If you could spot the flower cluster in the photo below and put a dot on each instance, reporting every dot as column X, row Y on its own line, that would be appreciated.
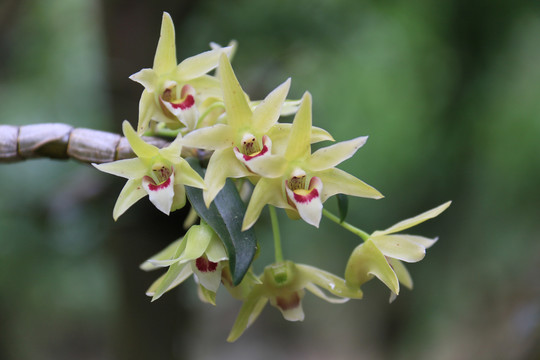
column 211, row 114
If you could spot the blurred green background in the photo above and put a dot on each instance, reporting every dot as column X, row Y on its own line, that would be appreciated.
column 449, row 93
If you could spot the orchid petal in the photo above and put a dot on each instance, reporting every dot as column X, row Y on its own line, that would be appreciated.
column 128, row 168
column 173, row 151
column 367, row 261
column 161, row 195
column 290, row 107
column 187, row 176
column 130, row 194
column 405, row 224
column 398, row 247
column 207, row 86
column 309, row 205
column 214, row 137
column 175, row 275
column 165, row 58
column 197, row 240
column 330, row 282
column 206, row 295
column 210, row 279
column 179, row 198
column 336, row 181
column 148, row 110
column 279, row 133
column 421, row 240
column 140, row 148
column 215, row 251
column 147, row 78
column 166, row 254
column 402, row 273
column 185, row 110
column 200, row 64
column 290, row 305
column 321, row 294
column 268, row 165
column 249, row 312
column 268, row 111
column 222, row 165
column 333, row 155
column 267, row 191
column 236, row 105
column 298, row 146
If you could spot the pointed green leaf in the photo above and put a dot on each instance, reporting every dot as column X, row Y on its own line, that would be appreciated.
column 225, row 216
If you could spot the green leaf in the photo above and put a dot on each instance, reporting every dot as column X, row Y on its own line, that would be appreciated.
column 225, row 216
column 343, row 206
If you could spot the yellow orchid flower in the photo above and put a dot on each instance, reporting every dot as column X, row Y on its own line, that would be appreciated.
column 159, row 173
column 284, row 285
column 245, row 141
column 303, row 181
column 173, row 91
column 382, row 253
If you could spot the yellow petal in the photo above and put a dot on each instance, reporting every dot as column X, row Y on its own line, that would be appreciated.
column 140, row 148
column 165, row 58
column 267, row 112
column 130, row 194
column 405, row 224
column 367, row 261
column 330, row 156
column 298, row 146
column 236, row 104
column 336, row 181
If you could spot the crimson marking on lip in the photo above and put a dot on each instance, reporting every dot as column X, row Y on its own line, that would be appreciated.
column 306, row 198
column 186, row 104
column 260, row 153
column 163, row 185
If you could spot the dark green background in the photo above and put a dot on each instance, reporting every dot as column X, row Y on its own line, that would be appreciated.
column 449, row 93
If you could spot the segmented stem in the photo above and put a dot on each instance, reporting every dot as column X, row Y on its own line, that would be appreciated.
column 62, row 141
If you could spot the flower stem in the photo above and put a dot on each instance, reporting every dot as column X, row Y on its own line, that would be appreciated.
column 210, row 108
column 346, row 225
column 277, row 238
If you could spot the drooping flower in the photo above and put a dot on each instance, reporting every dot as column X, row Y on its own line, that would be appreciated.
column 199, row 252
column 245, row 141
column 159, row 173
column 173, row 91
column 381, row 255
column 303, row 181
column 284, row 285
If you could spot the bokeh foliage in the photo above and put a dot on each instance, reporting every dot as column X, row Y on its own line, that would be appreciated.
column 448, row 93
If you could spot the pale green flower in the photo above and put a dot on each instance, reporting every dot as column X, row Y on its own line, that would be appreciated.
column 173, row 91
column 284, row 285
column 159, row 173
column 199, row 252
column 301, row 181
column 381, row 255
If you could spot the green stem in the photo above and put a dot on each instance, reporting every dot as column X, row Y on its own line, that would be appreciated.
column 210, row 108
column 346, row 225
column 277, row 238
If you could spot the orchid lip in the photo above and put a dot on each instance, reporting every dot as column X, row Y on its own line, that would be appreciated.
column 152, row 186
column 204, row 265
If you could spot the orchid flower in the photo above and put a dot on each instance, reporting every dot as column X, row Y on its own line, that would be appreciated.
column 381, row 255
column 199, row 252
column 304, row 181
column 173, row 91
column 159, row 173
column 246, row 140
column 284, row 285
